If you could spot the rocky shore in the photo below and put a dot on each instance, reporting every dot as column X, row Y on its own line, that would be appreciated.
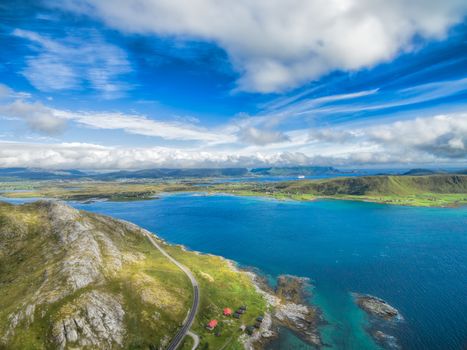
column 287, row 309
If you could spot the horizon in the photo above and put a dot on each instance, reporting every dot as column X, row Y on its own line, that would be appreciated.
column 150, row 84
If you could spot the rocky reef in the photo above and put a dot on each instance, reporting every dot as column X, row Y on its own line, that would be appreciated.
column 289, row 310
column 383, row 319
column 377, row 307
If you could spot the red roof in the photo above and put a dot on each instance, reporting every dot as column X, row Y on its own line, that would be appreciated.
column 227, row 311
column 212, row 324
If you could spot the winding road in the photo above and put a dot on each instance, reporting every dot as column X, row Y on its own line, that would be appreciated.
column 178, row 338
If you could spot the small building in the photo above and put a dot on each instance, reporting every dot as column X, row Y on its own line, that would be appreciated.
column 211, row 325
column 227, row 312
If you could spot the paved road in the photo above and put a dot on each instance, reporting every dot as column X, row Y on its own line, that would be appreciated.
column 177, row 340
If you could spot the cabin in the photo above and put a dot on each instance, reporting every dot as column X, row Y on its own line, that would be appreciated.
column 211, row 325
column 227, row 312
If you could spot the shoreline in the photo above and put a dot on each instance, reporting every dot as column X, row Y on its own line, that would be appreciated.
column 93, row 199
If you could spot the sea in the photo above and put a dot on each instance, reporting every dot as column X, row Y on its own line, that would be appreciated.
column 413, row 258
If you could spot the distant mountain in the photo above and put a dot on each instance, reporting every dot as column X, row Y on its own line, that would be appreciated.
column 40, row 174
column 416, row 172
column 172, row 173
column 295, row 171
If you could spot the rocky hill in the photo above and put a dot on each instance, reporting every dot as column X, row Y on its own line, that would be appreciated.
column 75, row 280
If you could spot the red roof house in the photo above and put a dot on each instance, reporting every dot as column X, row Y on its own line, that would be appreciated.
column 227, row 312
column 211, row 325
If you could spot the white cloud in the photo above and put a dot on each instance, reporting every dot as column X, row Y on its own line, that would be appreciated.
column 251, row 135
column 75, row 63
column 442, row 135
column 43, row 119
column 90, row 156
column 439, row 139
column 280, row 44
column 38, row 117
column 141, row 125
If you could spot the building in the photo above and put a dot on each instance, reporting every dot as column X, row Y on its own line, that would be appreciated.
column 227, row 312
column 211, row 325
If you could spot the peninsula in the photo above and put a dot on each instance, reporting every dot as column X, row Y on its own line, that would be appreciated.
column 70, row 279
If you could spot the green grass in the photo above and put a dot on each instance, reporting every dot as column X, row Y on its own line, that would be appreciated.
column 220, row 287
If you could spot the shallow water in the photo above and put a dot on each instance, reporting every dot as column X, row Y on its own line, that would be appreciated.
column 414, row 258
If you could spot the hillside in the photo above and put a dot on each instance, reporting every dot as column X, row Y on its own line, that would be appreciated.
column 71, row 279
column 432, row 190
column 384, row 185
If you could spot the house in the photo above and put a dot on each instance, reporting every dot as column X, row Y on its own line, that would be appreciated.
column 211, row 325
column 227, row 312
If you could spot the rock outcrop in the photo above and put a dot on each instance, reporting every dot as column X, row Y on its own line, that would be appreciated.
column 377, row 307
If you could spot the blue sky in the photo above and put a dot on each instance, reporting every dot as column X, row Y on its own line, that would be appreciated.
column 154, row 83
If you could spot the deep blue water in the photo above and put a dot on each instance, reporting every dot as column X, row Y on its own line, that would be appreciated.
column 414, row 258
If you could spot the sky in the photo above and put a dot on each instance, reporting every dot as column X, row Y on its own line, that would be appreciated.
column 133, row 84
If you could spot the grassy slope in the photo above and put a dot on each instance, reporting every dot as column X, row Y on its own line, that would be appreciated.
column 24, row 259
column 434, row 190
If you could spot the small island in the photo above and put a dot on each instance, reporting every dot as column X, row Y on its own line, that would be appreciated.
column 377, row 307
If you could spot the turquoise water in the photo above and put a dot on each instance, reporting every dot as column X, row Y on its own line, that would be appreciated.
column 414, row 258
